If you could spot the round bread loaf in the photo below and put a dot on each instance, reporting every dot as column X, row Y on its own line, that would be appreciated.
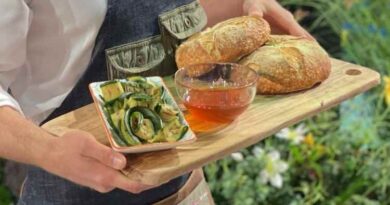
column 287, row 64
column 225, row 42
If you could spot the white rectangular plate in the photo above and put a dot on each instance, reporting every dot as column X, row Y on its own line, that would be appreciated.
column 189, row 137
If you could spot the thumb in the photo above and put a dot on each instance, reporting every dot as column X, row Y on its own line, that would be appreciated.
column 103, row 154
column 252, row 8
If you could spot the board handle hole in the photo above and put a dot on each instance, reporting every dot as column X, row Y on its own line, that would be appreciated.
column 353, row 72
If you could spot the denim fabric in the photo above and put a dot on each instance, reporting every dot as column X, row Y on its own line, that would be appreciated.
column 42, row 188
column 126, row 21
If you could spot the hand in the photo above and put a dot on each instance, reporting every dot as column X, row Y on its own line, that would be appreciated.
column 280, row 19
column 78, row 157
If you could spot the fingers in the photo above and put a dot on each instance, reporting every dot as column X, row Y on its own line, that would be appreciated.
column 103, row 154
column 296, row 29
column 279, row 18
column 255, row 13
column 253, row 8
column 108, row 178
column 91, row 148
column 89, row 163
column 285, row 21
column 122, row 182
column 104, row 179
column 309, row 36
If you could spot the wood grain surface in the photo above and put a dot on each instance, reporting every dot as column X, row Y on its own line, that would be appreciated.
column 266, row 116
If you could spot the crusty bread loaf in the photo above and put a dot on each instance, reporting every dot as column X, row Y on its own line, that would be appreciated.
column 287, row 64
column 225, row 42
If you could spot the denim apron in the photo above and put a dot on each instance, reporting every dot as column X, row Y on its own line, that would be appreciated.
column 137, row 37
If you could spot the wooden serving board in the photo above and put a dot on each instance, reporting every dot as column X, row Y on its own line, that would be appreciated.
column 266, row 116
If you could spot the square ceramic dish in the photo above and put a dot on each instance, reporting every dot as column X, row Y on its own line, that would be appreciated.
column 189, row 136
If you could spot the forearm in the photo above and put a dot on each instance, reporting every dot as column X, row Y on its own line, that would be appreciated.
column 21, row 140
column 219, row 10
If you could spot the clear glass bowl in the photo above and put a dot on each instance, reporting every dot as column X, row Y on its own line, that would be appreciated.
column 217, row 92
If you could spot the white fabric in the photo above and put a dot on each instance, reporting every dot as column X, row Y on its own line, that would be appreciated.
column 45, row 46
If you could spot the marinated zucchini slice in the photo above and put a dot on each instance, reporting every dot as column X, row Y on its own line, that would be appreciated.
column 113, row 123
column 145, row 86
column 111, row 102
column 111, row 90
column 155, row 91
column 159, row 137
column 127, row 100
column 137, row 84
column 114, row 105
column 137, row 79
column 116, row 117
column 167, row 112
column 116, row 120
column 148, row 114
column 146, row 128
column 136, row 119
column 127, row 135
column 138, row 100
column 174, row 131
column 157, row 94
column 132, row 87
column 118, row 138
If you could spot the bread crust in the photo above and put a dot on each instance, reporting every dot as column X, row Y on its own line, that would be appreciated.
column 227, row 41
column 288, row 64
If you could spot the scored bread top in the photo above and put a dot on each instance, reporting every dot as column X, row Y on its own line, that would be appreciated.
column 227, row 41
column 288, row 63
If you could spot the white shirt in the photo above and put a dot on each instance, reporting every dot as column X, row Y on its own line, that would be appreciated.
column 45, row 46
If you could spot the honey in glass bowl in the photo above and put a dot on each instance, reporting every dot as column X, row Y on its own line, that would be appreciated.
column 216, row 92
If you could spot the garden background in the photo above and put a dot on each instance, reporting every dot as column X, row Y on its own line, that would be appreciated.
column 341, row 156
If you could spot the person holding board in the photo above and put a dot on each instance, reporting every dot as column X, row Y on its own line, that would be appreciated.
column 51, row 50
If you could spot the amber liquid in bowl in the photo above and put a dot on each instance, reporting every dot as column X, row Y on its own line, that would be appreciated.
column 217, row 105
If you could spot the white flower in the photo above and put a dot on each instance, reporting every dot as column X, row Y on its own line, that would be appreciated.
column 274, row 166
column 294, row 135
column 257, row 151
column 237, row 156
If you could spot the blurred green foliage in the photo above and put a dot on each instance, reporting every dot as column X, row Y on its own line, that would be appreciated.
column 6, row 197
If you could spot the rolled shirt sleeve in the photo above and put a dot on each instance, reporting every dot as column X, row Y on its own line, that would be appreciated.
column 15, row 16
column 7, row 100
